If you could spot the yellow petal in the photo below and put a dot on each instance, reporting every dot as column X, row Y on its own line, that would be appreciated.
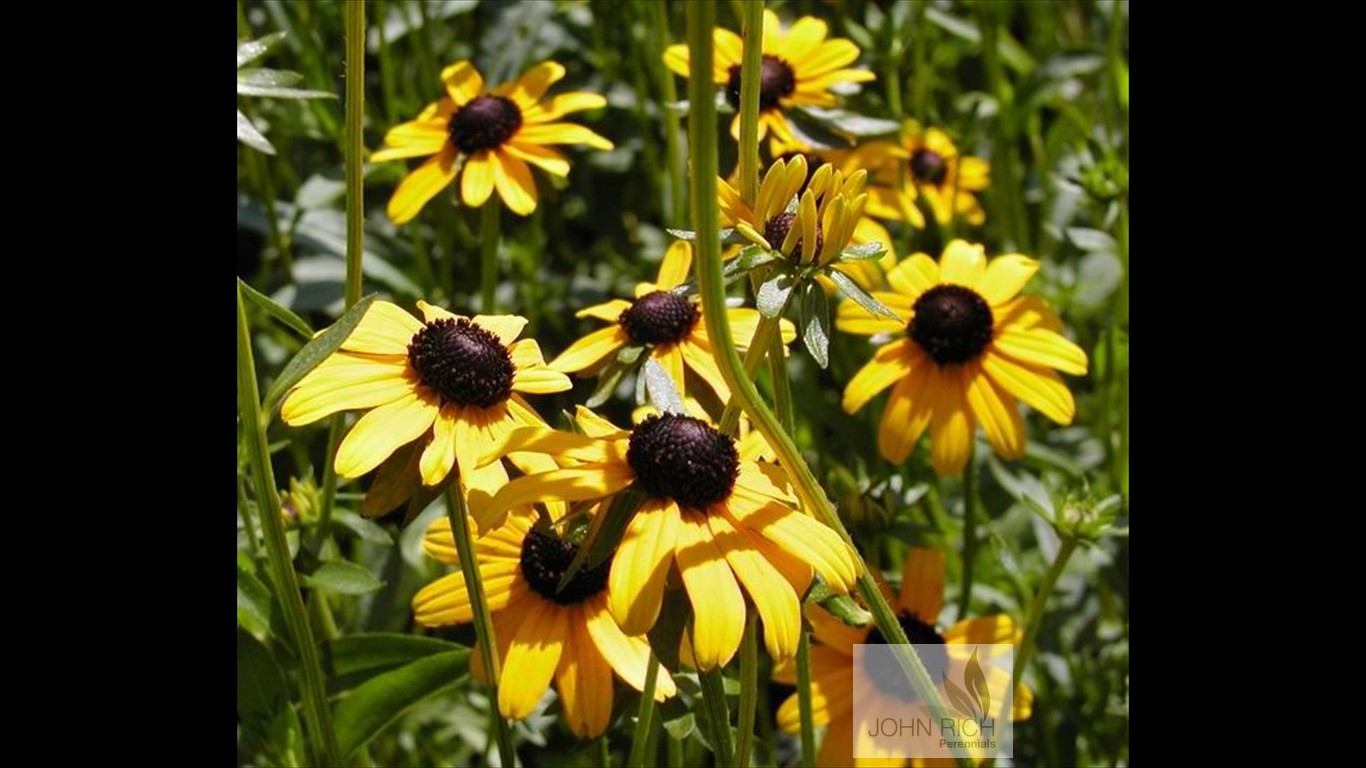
column 506, row 327
column 562, row 133
column 729, row 49
column 566, row 445
column 951, row 424
column 765, row 481
column 591, row 349
column 345, row 382
column 422, row 185
column 673, row 270
column 838, row 746
column 635, row 585
column 851, row 317
column 963, row 264
column 533, row 84
column 805, row 539
column 677, row 60
column 561, row 105
column 381, row 431
column 772, row 595
column 413, row 139
column 532, row 658
column 922, row 584
column 540, row 381
column 803, row 38
column 526, row 354
column 773, row 32
column 1041, row 388
column 513, row 179
column 446, row 601
column 832, row 692
column 670, row 357
column 608, row 310
column 439, row 456
column 985, row 630
column 476, row 180
column 890, row 364
column 589, row 481
column 996, row 412
column 629, row 656
column 908, row 412
column 1026, row 312
column 914, row 276
column 431, row 312
column 697, row 354
column 1006, row 275
column 463, row 82
column 832, row 55
column 718, row 606
column 1041, row 347
column 549, row 160
column 385, row 330
column 583, row 680
column 505, row 624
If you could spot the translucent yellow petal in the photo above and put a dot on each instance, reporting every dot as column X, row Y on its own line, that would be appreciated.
column 670, row 356
column 765, row 481
column 476, row 180
column 963, row 264
column 673, row 270
column 1041, row 347
column 914, row 276
column 532, row 657
column 718, row 606
column 588, row 351
column 381, row 431
column 385, row 330
column 890, row 364
column 908, row 411
column 589, row 481
column 771, row 594
column 446, row 601
column 345, row 382
column 629, row 656
column 594, row 425
column 463, row 82
column 922, row 584
column 677, row 60
column 635, row 584
column 805, row 539
column 996, row 411
column 951, row 424
column 568, row 445
column 803, row 38
column 532, row 85
column 439, row 456
column 1041, row 388
column 549, row 160
column 1005, row 276
column 697, row 354
column 562, row 133
column 506, row 327
column 583, row 680
column 526, row 354
column 829, row 56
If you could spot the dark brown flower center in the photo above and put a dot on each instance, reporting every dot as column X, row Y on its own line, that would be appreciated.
column 775, row 231
column 776, row 81
column 930, row 648
column 684, row 459
column 544, row 562
column 484, row 123
column 465, row 364
column 661, row 317
column 952, row 324
column 929, row 167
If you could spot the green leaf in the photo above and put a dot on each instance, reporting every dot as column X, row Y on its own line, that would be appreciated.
column 667, row 633
column 282, row 93
column 630, row 354
column 751, row 256
column 314, row 352
column 365, row 529
column 261, row 692
column 815, row 320
column 852, row 123
column 357, row 653
column 247, row 134
column 663, row 394
column 251, row 50
column 372, row 706
column 679, row 721
column 773, row 294
column 286, row 317
column 814, row 132
column 269, row 78
column 851, row 289
column 343, row 578
column 608, row 380
column 603, row 535
column 254, row 602
column 687, row 234
column 862, row 252
column 846, row 610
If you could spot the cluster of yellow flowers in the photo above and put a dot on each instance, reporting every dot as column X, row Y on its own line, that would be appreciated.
column 445, row 394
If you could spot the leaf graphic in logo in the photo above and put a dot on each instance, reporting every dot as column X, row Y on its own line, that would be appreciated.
column 960, row 700
column 976, row 682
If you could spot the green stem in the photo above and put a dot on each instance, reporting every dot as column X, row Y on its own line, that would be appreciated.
column 673, row 126
column 247, row 523
column 920, row 83
column 483, row 622
column 804, row 700
column 754, row 357
column 749, row 686
column 355, row 146
column 702, row 127
column 751, row 62
column 489, row 224
column 673, row 748
column 644, row 717
column 323, row 742
column 387, row 87
column 777, row 374
column 969, row 533
column 1014, row 225
column 1036, row 606
column 604, row 752
column 714, row 702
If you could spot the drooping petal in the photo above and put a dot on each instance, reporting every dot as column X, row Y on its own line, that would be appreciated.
column 584, row 681
column 908, row 412
column 588, row 351
column 922, row 584
column 532, row 657
column 718, row 605
column 772, row 595
column 629, row 656
column 422, row 185
column 951, row 424
column 1041, row 388
column 806, row 539
column 890, row 364
column 635, row 584
column 1041, row 347
column 476, row 180
column 345, row 382
column 996, row 412
column 513, row 179
column 439, row 456
column 381, row 431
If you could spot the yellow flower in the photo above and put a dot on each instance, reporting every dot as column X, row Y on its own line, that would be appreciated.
column 723, row 518
column 665, row 320
column 496, row 132
column 833, row 669
column 541, row 630
column 799, row 68
column 459, row 378
column 810, row 229
column 925, row 163
column 970, row 348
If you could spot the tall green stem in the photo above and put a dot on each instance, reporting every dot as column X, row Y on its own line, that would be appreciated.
column 808, row 719
column 1036, row 606
column 673, row 127
column 322, row 740
column 483, row 622
column 644, row 717
column 749, row 687
column 702, row 128
column 1007, row 186
column 489, row 232
column 355, row 146
column 969, row 532
column 751, row 63
column 764, row 333
column 714, row 702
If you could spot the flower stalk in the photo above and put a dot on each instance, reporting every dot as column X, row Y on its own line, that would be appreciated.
column 490, row 230
column 749, row 686
column 644, row 716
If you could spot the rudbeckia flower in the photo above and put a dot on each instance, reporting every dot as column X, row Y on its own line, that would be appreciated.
column 799, row 67
column 496, row 133
column 925, row 163
column 807, row 229
column 459, row 378
column 833, row 666
column 724, row 519
column 543, row 632
column 668, row 322
column 970, row 347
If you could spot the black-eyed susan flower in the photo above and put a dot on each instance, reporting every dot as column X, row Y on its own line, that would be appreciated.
column 487, row 137
column 808, row 221
column 543, row 632
column 724, row 519
column 970, row 347
column 665, row 320
column 925, row 163
column 456, row 382
column 834, row 669
column 799, row 68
